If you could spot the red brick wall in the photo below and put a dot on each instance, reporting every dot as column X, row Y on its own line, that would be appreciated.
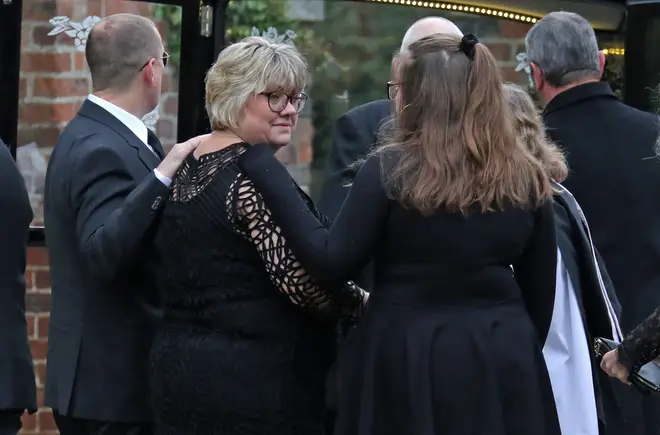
column 54, row 79
column 54, row 82
column 37, row 298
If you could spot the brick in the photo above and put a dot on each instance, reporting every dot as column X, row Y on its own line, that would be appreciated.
column 43, row 326
column 80, row 62
column 37, row 257
column 45, row 420
column 45, row 62
column 302, row 141
column 95, row 8
column 41, row 10
column 40, row 397
column 171, row 105
column 37, row 303
column 39, row 36
column 56, row 87
column 22, row 88
column 42, row 279
column 29, row 280
column 40, row 373
column 39, row 348
column 46, row 113
column 29, row 422
column 167, row 83
column 305, row 152
column 513, row 29
column 119, row 6
column 501, row 52
column 26, row 36
column 31, row 322
column 44, row 137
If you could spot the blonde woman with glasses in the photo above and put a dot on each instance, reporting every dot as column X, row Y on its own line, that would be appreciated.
column 247, row 336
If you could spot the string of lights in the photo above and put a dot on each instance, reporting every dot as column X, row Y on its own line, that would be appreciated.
column 480, row 10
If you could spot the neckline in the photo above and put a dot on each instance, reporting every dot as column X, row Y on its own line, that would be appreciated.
column 212, row 155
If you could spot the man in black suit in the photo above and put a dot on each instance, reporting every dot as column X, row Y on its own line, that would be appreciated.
column 106, row 183
column 356, row 131
column 17, row 385
column 614, row 174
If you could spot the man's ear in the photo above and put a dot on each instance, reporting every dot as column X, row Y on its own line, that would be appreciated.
column 601, row 61
column 537, row 76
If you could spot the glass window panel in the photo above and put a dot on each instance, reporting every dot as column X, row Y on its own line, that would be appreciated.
column 348, row 46
column 54, row 79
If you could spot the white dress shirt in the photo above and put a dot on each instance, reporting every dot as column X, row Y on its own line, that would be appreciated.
column 134, row 124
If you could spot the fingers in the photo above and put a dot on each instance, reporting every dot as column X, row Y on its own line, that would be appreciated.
column 610, row 365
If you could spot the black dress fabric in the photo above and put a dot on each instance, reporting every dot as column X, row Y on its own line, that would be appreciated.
column 447, row 344
column 247, row 336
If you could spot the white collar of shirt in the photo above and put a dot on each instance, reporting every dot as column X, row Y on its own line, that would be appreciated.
column 134, row 124
column 129, row 120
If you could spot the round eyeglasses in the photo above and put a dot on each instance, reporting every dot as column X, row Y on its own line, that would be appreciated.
column 277, row 101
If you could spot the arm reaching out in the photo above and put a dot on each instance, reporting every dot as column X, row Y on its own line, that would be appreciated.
column 283, row 268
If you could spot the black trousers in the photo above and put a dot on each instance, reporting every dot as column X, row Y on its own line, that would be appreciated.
column 79, row 426
column 10, row 421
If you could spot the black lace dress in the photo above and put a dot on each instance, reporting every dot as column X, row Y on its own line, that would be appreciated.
column 247, row 336
column 642, row 344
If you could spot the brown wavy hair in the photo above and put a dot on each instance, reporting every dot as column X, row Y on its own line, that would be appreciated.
column 529, row 127
column 452, row 144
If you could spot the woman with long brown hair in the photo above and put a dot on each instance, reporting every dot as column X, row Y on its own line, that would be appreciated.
column 446, row 207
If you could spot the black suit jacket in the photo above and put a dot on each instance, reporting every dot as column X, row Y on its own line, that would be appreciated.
column 615, row 177
column 17, row 385
column 355, row 133
column 100, row 207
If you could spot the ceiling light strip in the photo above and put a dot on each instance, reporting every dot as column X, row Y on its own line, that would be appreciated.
column 462, row 7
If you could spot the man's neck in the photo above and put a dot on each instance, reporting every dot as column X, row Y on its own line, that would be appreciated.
column 550, row 93
column 123, row 101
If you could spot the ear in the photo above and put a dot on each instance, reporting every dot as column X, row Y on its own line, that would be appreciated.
column 537, row 76
column 601, row 61
column 149, row 74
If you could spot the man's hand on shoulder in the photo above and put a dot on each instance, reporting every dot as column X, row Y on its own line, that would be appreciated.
column 178, row 154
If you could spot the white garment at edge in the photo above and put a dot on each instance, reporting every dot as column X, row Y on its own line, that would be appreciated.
column 568, row 358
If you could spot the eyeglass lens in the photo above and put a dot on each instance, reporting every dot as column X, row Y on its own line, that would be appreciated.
column 278, row 102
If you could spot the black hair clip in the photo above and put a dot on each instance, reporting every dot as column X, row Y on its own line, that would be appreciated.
column 467, row 45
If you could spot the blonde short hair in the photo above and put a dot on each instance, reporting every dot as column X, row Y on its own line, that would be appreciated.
column 246, row 69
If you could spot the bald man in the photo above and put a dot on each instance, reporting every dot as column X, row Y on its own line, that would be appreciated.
column 355, row 132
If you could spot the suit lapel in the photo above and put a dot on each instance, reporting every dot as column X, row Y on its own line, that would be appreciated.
column 97, row 113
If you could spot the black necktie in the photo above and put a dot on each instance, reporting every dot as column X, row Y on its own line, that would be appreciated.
column 154, row 143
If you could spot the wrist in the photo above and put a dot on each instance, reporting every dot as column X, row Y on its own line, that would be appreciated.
column 166, row 170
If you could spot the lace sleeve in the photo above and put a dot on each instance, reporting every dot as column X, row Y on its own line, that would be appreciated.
column 283, row 268
column 642, row 344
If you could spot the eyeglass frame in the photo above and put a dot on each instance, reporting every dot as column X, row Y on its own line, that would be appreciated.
column 392, row 86
column 301, row 97
column 164, row 58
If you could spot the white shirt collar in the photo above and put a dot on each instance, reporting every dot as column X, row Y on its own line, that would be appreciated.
column 129, row 120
